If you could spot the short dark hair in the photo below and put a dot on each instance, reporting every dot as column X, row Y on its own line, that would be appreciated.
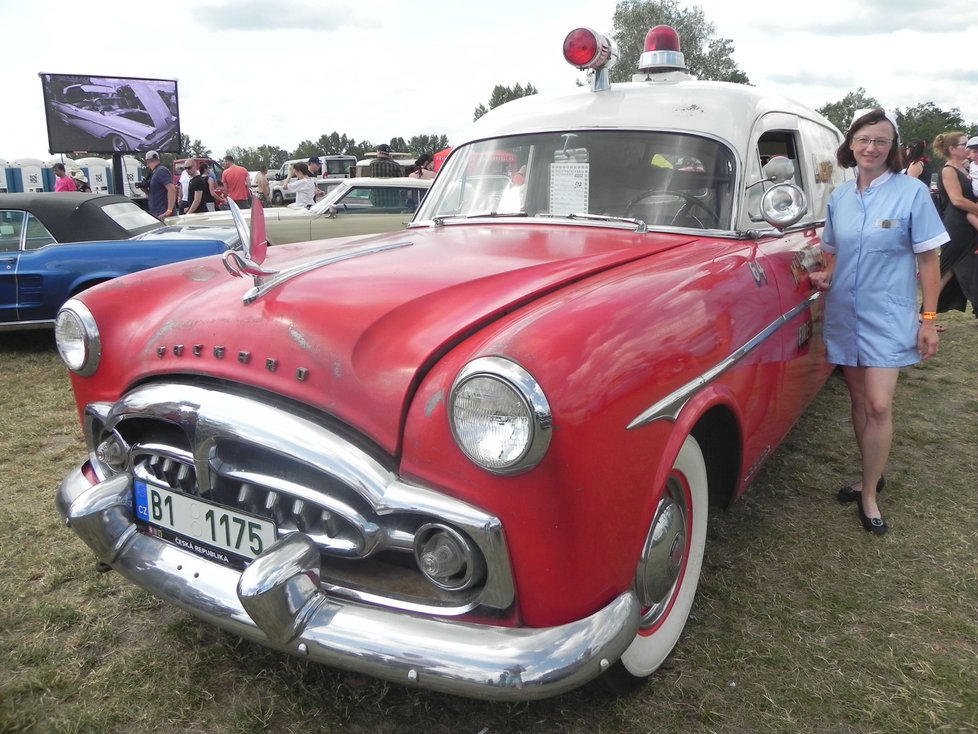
column 844, row 154
column 59, row 167
column 915, row 150
column 229, row 158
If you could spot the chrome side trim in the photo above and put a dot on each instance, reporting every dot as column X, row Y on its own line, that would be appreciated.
column 277, row 602
column 672, row 404
column 257, row 291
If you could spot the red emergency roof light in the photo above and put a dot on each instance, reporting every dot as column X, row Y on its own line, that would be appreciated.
column 662, row 51
column 588, row 49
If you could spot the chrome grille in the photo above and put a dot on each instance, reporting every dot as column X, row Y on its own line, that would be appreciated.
column 262, row 459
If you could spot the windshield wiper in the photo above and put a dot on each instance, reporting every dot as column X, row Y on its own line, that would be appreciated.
column 640, row 226
column 440, row 220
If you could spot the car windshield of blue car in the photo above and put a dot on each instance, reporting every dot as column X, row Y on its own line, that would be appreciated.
column 129, row 216
column 664, row 179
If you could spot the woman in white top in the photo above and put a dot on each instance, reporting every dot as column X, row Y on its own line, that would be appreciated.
column 299, row 182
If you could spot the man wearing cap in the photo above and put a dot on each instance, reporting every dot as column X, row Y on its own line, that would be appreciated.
column 973, row 165
column 185, row 176
column 162, row 192
column 383, row 166
column 235, row 180
column 315, row 167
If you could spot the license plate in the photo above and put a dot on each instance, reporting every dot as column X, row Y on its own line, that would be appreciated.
column 203, row 527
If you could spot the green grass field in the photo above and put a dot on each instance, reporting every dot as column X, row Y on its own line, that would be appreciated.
column 803, row 623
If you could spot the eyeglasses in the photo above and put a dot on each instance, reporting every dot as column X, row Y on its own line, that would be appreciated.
column 862, row 141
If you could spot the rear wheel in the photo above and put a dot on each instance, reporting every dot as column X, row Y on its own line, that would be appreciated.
column 668, row 570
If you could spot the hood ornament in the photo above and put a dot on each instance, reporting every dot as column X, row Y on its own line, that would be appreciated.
column 254, row 244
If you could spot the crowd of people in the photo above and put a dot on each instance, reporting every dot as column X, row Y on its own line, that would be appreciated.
column 197, row 189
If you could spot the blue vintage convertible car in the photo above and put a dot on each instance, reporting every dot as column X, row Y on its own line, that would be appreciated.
column 54, row 245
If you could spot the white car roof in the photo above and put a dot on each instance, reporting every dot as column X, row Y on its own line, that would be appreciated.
column 716, row 109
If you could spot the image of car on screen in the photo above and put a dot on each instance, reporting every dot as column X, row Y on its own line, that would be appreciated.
column 110, row 115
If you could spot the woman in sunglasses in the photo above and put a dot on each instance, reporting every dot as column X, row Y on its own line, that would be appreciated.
column 881, row 230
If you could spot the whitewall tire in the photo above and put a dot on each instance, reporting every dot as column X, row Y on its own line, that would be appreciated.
column 669, row 568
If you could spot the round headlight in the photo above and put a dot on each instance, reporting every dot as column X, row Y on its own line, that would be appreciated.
column 499, row 416
column 76, row 334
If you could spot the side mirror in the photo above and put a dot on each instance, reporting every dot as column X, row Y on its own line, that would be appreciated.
column 331, row 211
column 778, row 169
column 783, row 205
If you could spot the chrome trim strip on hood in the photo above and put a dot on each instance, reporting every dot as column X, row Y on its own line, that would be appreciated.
column 258, row 291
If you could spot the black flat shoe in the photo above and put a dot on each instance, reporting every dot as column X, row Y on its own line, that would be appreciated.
column 848, row 494
column 875, row 525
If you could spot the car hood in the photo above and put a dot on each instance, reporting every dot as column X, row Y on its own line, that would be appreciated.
column 272, row 214
column 352, row 327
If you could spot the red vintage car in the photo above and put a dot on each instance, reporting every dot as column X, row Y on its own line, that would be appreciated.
column 476, row 455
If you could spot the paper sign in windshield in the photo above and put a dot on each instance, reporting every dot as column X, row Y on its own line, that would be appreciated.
column 569, row 188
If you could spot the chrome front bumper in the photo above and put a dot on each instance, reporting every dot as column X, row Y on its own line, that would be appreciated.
column 277, row 602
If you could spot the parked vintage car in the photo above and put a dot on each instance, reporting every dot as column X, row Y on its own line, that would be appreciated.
column 353, row 206
column 476, row 455
column 55, row 245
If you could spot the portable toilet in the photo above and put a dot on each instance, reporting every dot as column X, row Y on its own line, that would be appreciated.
column 135, row 170
column 4, row 183
column 28, row 175
column 98, row 171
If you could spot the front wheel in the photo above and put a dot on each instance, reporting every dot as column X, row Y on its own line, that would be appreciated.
column 668, row 570
column 278, row 199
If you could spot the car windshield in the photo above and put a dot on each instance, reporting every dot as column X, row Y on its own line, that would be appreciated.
column 130, row 217
column 665, row 179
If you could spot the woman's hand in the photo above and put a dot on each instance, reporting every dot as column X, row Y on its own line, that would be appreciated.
column 821, row 280
column 927, row 339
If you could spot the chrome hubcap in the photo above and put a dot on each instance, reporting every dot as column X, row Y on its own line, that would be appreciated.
column 663, row 557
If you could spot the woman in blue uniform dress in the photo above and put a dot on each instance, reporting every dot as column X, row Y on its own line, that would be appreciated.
column 881, row 230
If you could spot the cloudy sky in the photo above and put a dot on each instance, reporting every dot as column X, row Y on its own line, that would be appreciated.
column 277, row 72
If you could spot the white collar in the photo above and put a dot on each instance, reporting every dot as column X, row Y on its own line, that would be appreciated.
column 878, row 181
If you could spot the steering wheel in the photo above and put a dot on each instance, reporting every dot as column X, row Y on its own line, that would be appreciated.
column 691, row 203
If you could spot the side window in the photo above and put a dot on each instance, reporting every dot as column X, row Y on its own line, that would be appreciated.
column 11, row 226
column 37, row 234
column 770, row 145
column 385, row 200
column 780, row 143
